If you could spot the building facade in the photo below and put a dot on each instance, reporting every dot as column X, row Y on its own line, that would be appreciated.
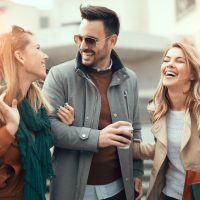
column 147, row 27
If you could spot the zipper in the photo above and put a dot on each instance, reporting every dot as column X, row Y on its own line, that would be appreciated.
column 86, row 76
column 96, row 98
column 126, row 100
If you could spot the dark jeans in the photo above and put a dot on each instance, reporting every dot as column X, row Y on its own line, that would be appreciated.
column 168, row 198
column 119, row 196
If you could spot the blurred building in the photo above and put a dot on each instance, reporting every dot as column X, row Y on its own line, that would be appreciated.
column 147, row 27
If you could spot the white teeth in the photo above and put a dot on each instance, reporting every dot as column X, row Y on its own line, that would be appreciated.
column 88, row 54
column 169, row 73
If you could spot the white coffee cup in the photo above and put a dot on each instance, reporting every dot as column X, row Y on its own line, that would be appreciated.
column 128, row 128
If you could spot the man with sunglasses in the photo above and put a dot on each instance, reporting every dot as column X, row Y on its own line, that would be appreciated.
column 90, row 160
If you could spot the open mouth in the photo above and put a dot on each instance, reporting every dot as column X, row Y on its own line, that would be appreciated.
column 170, row 74
column 87, row 54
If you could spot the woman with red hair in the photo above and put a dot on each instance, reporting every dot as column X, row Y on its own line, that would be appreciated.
column 25, row 139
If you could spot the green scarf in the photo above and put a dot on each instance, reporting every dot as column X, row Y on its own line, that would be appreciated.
column 35, row 153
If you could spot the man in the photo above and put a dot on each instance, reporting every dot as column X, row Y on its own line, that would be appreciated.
column 89, row 160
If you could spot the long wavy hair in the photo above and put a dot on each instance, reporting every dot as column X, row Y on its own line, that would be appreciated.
column 161, row 98
column 10, row 42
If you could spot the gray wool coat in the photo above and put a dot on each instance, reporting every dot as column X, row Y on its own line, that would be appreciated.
column 76, row 144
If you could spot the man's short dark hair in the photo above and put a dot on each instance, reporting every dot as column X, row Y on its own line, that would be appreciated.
column 109, row 17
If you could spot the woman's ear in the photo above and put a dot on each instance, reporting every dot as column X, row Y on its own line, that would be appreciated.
column 19, row 56
column 192, row 75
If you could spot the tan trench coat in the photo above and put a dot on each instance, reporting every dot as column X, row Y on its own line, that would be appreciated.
column 189, row 155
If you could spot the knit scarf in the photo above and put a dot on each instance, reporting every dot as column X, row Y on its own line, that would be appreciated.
column 34, row 150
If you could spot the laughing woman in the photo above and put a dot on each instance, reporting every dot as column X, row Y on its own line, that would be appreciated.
column 175, row 114
column 25, row 139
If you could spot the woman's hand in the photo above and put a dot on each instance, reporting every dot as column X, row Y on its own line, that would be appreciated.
column 66, row 114
column 10, row 114
column 138, row 188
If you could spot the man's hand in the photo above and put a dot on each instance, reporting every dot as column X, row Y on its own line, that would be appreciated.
column 137, row 182
column 111, row 135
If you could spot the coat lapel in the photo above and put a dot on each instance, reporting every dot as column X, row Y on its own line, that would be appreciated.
column 159, row 130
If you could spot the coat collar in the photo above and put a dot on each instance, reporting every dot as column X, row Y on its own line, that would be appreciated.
column 159, row 130
column 117, row 64
column 117, row 68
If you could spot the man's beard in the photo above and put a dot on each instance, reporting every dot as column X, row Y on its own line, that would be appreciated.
column 88, row 51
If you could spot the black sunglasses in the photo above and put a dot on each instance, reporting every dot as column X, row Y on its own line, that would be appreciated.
column 91, row 42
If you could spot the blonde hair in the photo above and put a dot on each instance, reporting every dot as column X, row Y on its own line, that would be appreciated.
column 161, row 98
column 10, row 42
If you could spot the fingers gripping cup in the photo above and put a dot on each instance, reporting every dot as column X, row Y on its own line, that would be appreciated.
column 128, row 128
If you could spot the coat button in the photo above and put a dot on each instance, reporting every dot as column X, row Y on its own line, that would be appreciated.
column 115, row 115
column 126, row 179
column 87, row 117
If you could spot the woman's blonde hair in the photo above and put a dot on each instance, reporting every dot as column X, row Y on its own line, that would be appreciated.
column 161, row 98
column 10, row 42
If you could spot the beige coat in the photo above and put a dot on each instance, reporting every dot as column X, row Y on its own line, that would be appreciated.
column 190, row 153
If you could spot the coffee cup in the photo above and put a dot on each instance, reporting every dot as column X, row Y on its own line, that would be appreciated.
column 128, row 128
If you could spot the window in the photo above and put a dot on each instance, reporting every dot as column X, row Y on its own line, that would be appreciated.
column 183, row 7
column 44, row 22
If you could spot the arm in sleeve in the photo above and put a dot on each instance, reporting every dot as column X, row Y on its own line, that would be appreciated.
column 143, row 151
column 138, row 166
column 70, row 137
column 136, row 115
column 6, row 140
